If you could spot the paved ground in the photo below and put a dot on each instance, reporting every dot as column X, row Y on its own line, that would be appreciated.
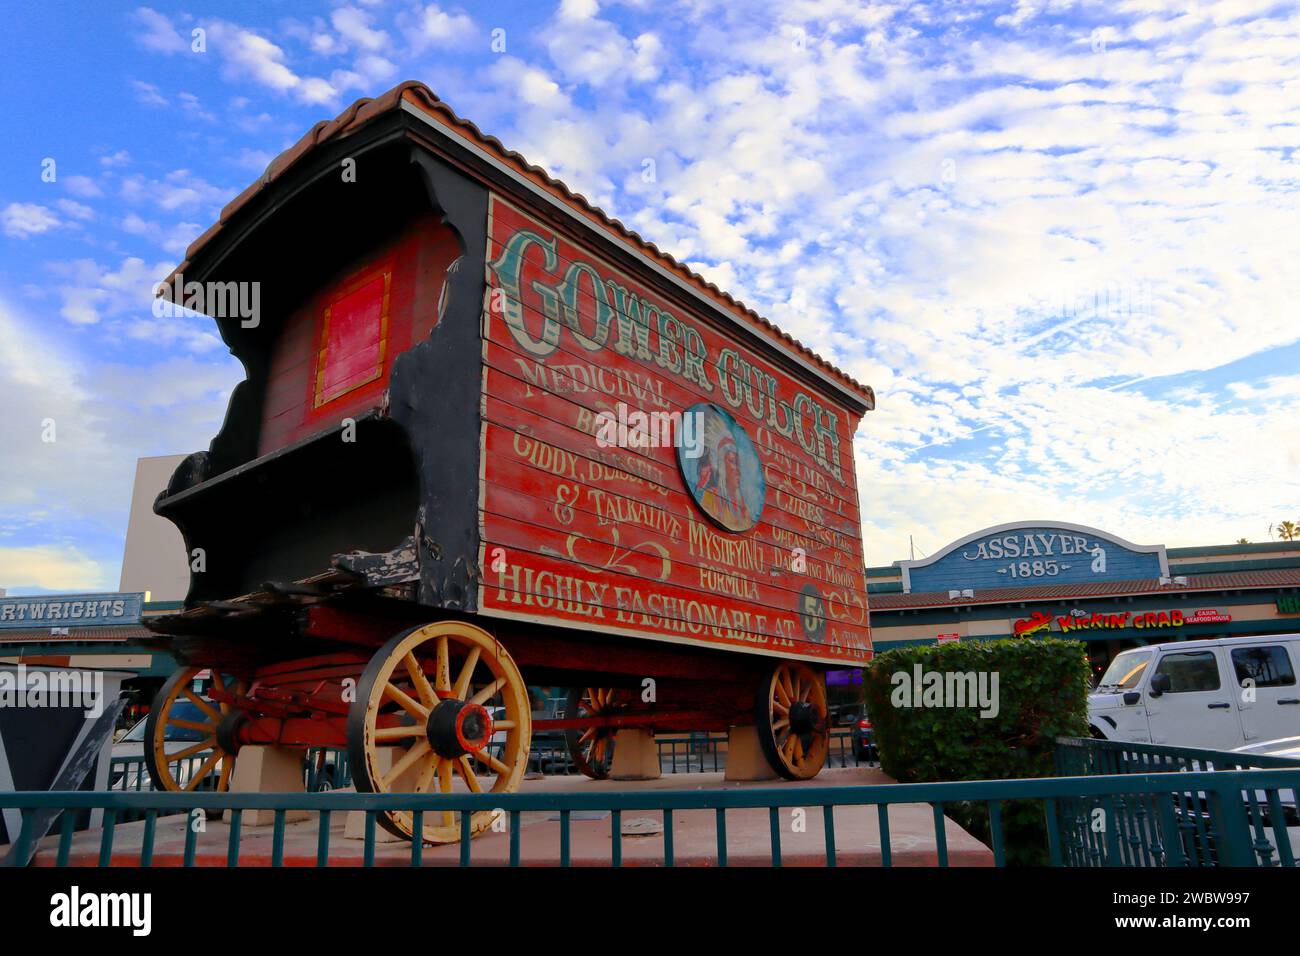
column 857, row 834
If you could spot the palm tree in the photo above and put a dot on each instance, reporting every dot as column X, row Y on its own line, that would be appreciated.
column 1242, row 541
column 1288, row 530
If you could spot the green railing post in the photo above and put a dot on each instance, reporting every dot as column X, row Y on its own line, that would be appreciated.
column 106, row 841
column 886, row 852
column 995, row 833
column 191, row 837
column 466, row 832
column 277, row 839
column 668, row 837
column 323, row 839
column 417, row 837
column 564, row 837
column 368, row 853
column 1053, row 832
column 722, row 836
column 66, row 825
column 514, row 837
column 774, row 825
column 232, row 845
column 1229, row 815
column 940, row 836
column 146, row 846
column 828, row 826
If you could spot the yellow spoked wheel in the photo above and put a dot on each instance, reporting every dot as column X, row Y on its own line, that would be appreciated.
column 792, row 721
column 592, row 748
column 184, row 731
column 439, row 709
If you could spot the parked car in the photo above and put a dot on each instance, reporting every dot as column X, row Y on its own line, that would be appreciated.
column 1288, row 748
column 1216, row 694
column 864, row 740
column 845, row 715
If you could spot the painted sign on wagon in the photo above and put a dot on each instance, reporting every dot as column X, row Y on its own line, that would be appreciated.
column 645, row 473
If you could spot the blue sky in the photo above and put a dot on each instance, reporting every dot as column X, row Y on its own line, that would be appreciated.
column 1058, row 238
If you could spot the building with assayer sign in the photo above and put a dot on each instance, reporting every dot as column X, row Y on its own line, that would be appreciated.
column 1032, row 578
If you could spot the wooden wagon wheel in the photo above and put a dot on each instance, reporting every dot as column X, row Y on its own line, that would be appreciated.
column 592, row 748
column 443, row 700
column 216, row 719
column 792, row 721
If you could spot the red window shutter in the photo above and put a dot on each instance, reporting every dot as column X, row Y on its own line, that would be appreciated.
column 354, row 333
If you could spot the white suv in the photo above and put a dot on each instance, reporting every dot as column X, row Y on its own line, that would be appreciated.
column 1218, row 695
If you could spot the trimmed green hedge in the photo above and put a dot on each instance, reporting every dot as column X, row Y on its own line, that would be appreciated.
column 924, row 735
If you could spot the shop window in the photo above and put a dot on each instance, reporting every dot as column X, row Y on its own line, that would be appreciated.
column 1266, row 666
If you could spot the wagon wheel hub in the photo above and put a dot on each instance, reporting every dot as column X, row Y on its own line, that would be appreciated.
column 457, row 727
column 803, row 717
column 228, row 728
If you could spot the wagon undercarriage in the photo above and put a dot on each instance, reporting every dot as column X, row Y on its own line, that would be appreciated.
column 336, row 661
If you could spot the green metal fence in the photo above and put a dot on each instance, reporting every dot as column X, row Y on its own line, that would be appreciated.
column 1188, row 823
column 1230, row 812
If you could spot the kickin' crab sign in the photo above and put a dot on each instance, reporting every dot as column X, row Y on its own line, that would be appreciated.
column 1042, row 621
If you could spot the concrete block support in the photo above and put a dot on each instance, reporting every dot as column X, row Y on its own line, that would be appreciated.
column 354, row 826
column 745, row 760
column 260, row 769
column 635, row 755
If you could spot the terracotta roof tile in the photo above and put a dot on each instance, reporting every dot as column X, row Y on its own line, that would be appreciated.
column 412, row 91
column 1280, row 577
column 110, row 632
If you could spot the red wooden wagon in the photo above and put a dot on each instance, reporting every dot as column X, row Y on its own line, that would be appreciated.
column 490, row 438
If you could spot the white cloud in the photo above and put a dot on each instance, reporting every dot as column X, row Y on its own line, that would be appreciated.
column 178, row 190
column 53, row 568
column 75, row 209
column 119, row 158
column 436, row 27
column 174, row 239
column 354, row 26
column 91, row 292
column 589, row 50
column 148, row 94
column 22, row 220
column 157, row 33
column 247, row 55
column 82, row 186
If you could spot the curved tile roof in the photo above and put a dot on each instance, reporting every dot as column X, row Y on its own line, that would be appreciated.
column 366, row 110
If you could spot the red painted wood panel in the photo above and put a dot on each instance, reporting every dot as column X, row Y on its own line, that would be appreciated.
column 611, row 538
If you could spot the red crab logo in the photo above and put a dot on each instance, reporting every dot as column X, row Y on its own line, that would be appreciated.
column 1041, row 621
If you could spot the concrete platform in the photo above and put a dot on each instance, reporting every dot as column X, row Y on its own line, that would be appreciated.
column 857, row 834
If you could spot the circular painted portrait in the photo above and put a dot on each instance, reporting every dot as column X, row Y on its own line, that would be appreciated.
column 721, row 467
